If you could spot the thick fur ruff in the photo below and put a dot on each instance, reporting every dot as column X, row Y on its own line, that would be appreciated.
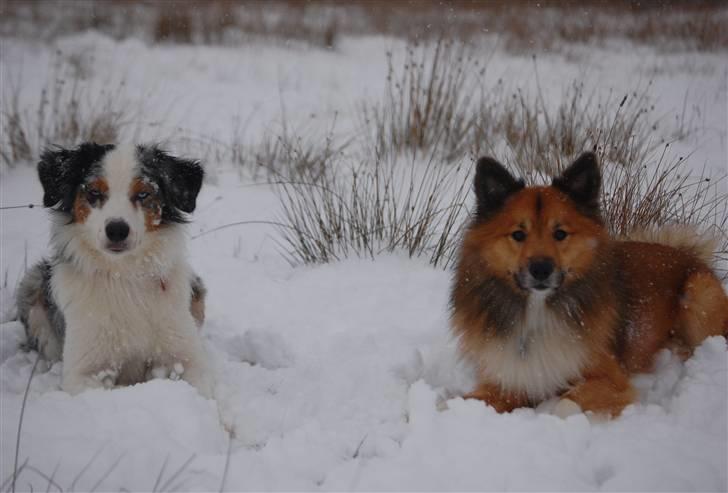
column 117, row 300
column 545, row 303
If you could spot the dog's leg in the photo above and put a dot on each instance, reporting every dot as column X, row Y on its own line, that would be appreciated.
column 185, row 359
column 34, row 312
column 197, row 302
column 197, row 373
column 39, row 329
column 88, row 361
column 500, row 400
column 605, row 388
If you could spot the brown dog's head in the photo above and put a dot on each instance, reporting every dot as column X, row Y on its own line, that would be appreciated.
column 537, row 239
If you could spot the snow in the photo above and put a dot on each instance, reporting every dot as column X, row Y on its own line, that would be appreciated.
column 340, row 376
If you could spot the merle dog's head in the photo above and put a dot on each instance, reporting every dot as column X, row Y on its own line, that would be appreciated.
column 117, row 196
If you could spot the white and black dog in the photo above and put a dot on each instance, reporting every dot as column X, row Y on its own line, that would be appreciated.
column 117, row 300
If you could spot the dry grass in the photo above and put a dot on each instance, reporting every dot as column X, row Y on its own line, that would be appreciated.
column 66, row 112
column 524, row 26
column 288, row 154
column 436, row 102
column 620, row 128
column 428, row 103
column 374, row 209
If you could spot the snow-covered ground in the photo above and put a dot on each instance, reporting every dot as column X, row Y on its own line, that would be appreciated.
column 341, row 376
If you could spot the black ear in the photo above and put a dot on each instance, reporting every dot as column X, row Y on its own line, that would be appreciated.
column 581, row 181
column 62, row 171
column 179, row 180
column 493, row 185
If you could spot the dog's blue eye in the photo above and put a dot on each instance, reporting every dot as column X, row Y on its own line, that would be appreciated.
column 519, row 235
column 560, row 234
column 142, row 195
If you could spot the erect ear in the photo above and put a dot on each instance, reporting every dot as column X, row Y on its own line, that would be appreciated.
column 581, row 181
column 179, row 179
column 493, row 185
column 61, row 172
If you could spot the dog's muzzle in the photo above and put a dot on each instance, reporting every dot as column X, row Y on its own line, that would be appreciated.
column 540, row 275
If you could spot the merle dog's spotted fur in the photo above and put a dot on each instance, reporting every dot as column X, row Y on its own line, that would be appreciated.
column 63, row 171
column 178, row 180
column 36, row 288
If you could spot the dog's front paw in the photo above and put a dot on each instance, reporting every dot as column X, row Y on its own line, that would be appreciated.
column 172, row 372
column 178, row 369
column 75, row 384
column 565, row 408
column 107, row 377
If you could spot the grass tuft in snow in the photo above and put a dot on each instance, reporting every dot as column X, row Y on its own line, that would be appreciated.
column 436, row 101
column 542, row 138
column 294, row 155
column 429, row 102
column 375, row 209
column 66, row 112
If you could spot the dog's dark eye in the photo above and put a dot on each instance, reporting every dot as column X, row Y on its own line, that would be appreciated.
column 519, row 235
column 92, row 195
column 142, row 195
column 560, row 235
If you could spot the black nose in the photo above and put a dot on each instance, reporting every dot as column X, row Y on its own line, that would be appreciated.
column 117, row 231
column 541, row 268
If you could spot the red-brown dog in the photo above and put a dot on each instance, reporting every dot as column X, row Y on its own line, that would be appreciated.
column 545, row 303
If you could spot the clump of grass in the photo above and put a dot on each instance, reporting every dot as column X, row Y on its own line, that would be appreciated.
column 428, row 103
column 293, row 155
column 437, row 102
column 542, row 138
column 375, row 209
column 66, row 112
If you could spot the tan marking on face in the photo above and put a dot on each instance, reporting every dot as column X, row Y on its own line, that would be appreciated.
column 151, row 205
column 82, row 204
column 505, row 256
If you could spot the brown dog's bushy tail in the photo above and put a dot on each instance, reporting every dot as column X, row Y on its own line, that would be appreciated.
column 704, row 303
column 682, row 237
column 703, row 309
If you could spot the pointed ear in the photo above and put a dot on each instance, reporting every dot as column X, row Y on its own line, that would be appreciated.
column 51, row 171
column 179, row 179
column 493, row 185
column 61, row 172
column 581, row 181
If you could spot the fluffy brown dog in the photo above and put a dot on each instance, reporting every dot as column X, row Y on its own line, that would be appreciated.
column 545, row 303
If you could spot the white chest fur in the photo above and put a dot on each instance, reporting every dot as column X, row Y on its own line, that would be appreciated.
column 117, row 304
column 126, row 324
column 539, row 357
